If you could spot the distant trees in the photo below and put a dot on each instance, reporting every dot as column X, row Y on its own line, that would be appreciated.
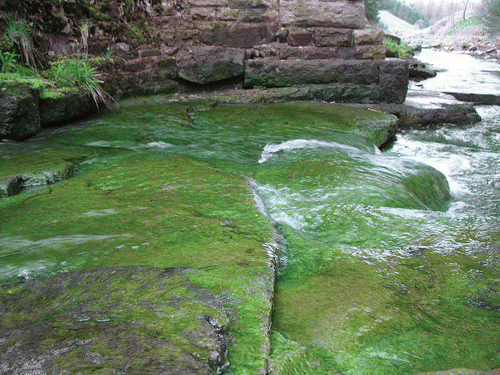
column 404, row 11
column 492, row 16
column 371, row 9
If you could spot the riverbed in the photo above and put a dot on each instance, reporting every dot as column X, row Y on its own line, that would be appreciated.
column 293, row 244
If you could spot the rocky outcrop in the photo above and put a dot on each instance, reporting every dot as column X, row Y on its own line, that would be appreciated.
column 24, row 112
column 19, row 117
column 71, row 105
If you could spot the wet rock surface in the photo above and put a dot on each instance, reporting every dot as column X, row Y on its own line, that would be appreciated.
column 125, row 320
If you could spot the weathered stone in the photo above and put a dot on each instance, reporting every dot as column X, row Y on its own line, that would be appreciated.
column 368, row 36
column 55, row 112
column 413, row 116
column 487, row 99
column 346, row 53
column 139, row 65
column 251, row 15
column 64, row 48
column 169, row 65
column 244, row 4
column 19, row 117
column 125, row 47
column 419, row 71
column 10, row 186
column 317, row 13
column 208, row 14
column 238, row 35
column 371, row 52
column 393, row 79
column 282, row 35
column 210, row 64
column 299, row 37
column 269, row 73
column 150, row 52
column 331, row 37
column 194, row 341
column 208, row 3
column 284, row 52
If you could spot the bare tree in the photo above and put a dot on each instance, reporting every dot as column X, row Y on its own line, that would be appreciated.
column 465, row 3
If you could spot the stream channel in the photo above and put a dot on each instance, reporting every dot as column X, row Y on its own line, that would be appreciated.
column 385, row 262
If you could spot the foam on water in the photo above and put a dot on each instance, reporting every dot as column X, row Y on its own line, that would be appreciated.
column 270, row 150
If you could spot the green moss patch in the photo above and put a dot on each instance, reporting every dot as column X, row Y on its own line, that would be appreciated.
column 143, row 318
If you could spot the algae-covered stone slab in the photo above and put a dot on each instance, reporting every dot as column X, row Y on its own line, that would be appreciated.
column 129, row 210
column 25, row 165
column 132, row 320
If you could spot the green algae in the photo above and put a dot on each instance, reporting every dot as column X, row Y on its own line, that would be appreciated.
column 141, row 318
column 140, row 210
column 163, row 185
column 145, row 210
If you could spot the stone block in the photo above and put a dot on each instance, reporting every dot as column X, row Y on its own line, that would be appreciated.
column 209, row 3
column 202, row 64
column 168, row 68
column 373, row 51
column 393, row 79
column 368, row 36
column 318, row 13
column 331, row 37
column 209, row 14
column 299, row 37
column 272, row 73
column 238, row 35
column 247, row 4
column 139, row 65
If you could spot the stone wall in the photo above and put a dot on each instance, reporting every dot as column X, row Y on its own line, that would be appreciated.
column 163, row 46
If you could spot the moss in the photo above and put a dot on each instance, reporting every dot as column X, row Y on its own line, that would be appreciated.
column 136, row 31
column 6, row 43
column 155, row 249
column 219, row 26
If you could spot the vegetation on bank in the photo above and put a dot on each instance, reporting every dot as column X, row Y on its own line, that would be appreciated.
column 400, row 49
column 465, row 24
column 20, row 64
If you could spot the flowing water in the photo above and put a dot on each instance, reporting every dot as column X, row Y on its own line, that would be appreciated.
column 388, row 261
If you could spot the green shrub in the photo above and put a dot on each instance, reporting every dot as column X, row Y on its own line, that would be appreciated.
column 400, row 48
column 68, row 73
column 9, row 61
column 19, row 32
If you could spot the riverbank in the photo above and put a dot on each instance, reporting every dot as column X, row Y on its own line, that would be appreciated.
column 450, row 34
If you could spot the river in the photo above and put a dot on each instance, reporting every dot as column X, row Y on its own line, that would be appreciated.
column 387, row 260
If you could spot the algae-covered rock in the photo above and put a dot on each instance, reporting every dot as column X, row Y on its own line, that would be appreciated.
column 19, row 118
column 71, row 105
column 138, row 210
column 145, row 319
column 29, row 165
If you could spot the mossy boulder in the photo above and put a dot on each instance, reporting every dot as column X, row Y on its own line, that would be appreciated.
column 19, row 118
